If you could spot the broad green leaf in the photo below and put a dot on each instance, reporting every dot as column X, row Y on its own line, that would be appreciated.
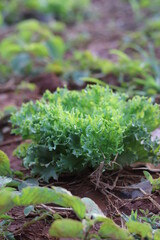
column 19, row 174
column 13, row 184
column 6, row 200
column 31, row 25
column 11, row 49
column 47, row 173
column 157, row 235
column 142, row 229
column 109, row 230
column 38, row 195
column 148, row 176
column 66, row 228
column 37, row 49
column 4, row 165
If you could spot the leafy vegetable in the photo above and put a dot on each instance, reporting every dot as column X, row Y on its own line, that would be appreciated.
column 71, row 131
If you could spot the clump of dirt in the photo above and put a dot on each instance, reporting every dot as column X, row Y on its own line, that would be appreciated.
column 47, row 81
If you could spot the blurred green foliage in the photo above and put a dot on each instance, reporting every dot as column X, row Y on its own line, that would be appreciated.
column 17, row 10
column 28, row 49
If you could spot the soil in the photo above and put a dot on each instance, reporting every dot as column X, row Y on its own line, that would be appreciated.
column 106, row 27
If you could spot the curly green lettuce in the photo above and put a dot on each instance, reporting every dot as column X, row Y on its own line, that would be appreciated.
column 72, row 131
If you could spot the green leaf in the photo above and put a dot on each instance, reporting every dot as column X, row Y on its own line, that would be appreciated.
column 4, row 165
column 148, row 176
column 56, row 48
column 28, row 210
column 66, row 228
column 157, row 234
column 31, row 25
column 19, row 174
column 39, row 195
column 37, row 49
column 109, row 230
column 6, row 217
column 120, row 54
column 142, row 229
column 13, row 184
column 6, row 200
column 47, row 173
column 1, row 19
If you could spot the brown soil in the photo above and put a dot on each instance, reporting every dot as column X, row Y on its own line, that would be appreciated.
column 111, row 19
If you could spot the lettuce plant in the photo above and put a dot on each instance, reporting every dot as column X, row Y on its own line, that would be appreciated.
column 71, row 131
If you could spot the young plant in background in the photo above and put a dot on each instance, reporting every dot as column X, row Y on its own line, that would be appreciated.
column 131, row 75
column 68, row 10
column 143, row 8
column 29, row 49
